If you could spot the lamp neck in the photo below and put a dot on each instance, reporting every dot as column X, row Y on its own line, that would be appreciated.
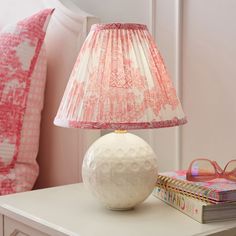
column 120, row 131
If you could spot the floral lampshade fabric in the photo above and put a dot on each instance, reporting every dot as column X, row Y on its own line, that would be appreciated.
column 119, row 81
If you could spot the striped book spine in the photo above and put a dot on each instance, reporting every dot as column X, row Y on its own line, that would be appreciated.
column 190, row 206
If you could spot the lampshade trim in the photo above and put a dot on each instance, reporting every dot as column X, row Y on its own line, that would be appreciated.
column 126, row 26
column 127, row 126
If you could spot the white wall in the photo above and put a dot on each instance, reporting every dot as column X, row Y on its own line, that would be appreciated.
column 197, row 39
column 117, row 10
column 209, row 79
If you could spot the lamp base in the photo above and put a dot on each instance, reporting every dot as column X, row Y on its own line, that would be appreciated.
column 120, row 169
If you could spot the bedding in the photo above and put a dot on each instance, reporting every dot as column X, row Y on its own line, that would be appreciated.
column 22, row 83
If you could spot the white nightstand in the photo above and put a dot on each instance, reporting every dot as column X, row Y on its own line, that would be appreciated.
column 71, row 210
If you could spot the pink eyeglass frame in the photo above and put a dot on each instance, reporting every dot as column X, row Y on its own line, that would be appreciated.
column 219, row 173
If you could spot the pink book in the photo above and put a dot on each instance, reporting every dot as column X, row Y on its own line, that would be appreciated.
column 217, row 189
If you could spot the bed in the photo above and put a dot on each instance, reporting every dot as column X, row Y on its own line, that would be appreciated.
column 61, row 150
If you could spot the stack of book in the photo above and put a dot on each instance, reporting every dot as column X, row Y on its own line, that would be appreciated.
column 205, row 202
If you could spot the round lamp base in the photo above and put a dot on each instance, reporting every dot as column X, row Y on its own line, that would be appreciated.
column 120, row 169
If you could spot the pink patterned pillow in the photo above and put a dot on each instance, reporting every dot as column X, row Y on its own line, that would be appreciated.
column 22, row 82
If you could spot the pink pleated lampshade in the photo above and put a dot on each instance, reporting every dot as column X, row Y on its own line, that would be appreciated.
column 119, row 81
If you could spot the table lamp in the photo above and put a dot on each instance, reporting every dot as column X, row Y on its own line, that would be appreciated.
column 119, row 82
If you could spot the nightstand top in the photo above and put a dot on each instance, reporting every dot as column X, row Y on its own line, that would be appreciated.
column 71, row 210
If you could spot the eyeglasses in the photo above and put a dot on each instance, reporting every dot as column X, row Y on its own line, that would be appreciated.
column 203, row 169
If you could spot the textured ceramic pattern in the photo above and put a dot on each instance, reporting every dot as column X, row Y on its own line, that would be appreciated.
column 120, row 169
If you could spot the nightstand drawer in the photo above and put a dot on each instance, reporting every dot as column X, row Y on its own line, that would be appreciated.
column 15, row 228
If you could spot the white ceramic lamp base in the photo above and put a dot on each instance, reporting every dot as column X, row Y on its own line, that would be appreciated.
column 120, row 169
